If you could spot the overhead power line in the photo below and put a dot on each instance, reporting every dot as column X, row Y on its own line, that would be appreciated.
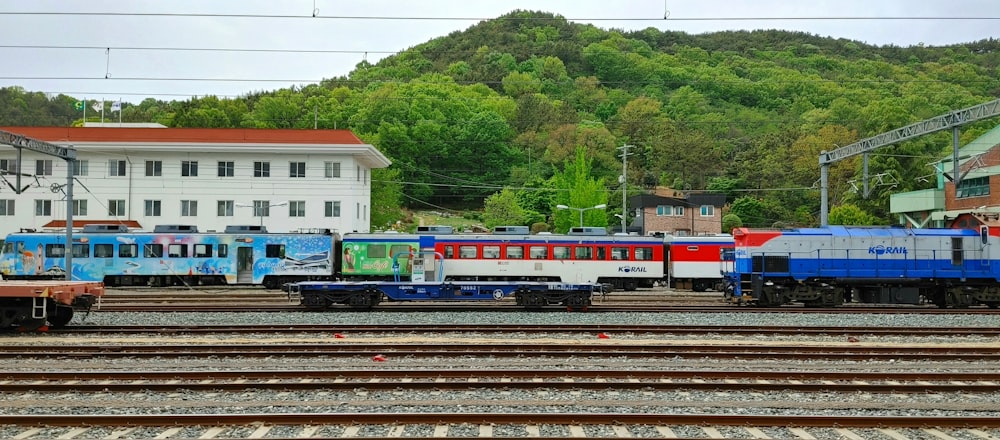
column 505, row 18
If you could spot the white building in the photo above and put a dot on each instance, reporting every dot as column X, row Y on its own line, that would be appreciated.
column 284, row 180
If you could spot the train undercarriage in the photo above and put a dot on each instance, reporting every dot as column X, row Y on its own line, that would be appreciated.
column 773, row 292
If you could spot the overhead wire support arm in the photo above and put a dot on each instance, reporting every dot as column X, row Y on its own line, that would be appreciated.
column 952, row 120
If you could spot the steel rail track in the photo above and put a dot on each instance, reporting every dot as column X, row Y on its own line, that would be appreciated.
column 43, row 382
column 553, row 328
column 505, row 307
column 585, row 419
column 925, row 353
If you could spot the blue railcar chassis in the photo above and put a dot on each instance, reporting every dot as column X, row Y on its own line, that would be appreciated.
column 364, row 295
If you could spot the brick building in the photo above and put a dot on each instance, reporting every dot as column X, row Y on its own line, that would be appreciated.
column 677, row 213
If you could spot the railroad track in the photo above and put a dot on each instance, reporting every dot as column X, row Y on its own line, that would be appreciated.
column 545, row 329
column 328, row 380
column 501, row 350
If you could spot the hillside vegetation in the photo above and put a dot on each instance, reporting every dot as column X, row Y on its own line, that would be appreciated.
column 507, row 102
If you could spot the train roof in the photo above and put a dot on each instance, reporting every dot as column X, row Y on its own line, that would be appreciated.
column 861, row 231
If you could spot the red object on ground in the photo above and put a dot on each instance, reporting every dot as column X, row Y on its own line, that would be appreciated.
column 338, row 336
column 379, row 358
column 603, row 336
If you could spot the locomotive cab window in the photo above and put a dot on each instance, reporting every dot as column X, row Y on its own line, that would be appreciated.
column 491, row 252
column 538, row 252
column 467, row 252
column 128, row 250
column 202, row 251
column 515, row 252
column 152, row 250
column 104, row 250
column 584, row 253
column 275, row 251
column 177, row 250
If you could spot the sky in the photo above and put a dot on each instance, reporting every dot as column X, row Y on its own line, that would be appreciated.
column 174, row 50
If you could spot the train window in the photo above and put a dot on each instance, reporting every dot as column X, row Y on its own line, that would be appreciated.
column 619, row 253
column 584, row 253
column 202, row 251
column 55, row 251
column 375, row 251
column 538, row 252
column 400, row 250
column 560, row 252
column 8, row 247
column 449, row 251
column 515, row 252
column 602, row 253
column 643, row 253
column 104, row 250
column 177, row 250
column 128, row 250
column 81, row 250
column 491, row 252
column 956, row 251
column 274, row 251
column 153, row 250
column 223, row 250
column 466, row 252
column 692, row 248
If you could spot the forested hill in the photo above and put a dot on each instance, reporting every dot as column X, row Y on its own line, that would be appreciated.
column 507, row 102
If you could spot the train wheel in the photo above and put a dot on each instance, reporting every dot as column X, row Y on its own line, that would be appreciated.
column 577, row 303
column 60, row 316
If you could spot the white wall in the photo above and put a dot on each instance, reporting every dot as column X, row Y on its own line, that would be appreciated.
column 352, row 189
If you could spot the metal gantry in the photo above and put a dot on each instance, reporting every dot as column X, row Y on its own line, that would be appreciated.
column 68, row 154
column 952, row 120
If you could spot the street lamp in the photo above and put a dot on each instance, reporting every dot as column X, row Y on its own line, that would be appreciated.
column 259, row 209
column 601, row 206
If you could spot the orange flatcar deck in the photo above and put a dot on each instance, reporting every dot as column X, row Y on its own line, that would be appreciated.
column 60, row 291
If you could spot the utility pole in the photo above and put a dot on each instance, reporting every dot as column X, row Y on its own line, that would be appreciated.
column 623, row 179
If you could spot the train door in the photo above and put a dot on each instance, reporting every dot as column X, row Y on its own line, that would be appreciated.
column 244, row 265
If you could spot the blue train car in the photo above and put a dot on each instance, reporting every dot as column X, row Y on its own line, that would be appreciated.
column 836, row 264
column 172, row 256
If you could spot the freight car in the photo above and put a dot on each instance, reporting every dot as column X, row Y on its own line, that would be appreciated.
column 832, row 265
column 33, row 304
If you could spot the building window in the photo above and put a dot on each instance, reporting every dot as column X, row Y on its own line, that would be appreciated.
column 189, row 168
column 296, row 169
column 80, row 207
column 365, row 180
column 662, row 210
column 152, row 208
column 43, row 207
column 226, row 168
column 43, row 167
column 8, row 165
column 116, row 208
column 357, row 210
column 6, row 206
column 707, row 211
column 974, row 187
column 225, row 208
column 331, row 209
column 679, row 211
column 80, row 167
column 154, row 168
column 116, row 167
column 189, row 208
column 358, row 175
column 331, row 169
column 262, row 169
column 297, row 208
column 261, row 208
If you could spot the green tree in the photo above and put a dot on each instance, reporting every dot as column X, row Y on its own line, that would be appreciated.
column 730, row 222
column 386, row 198
column 579, row 190
column 851, row 215
column 750, row 211
column 502, row 209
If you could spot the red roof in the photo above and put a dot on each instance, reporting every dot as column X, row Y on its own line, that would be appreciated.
column 131, row 224
column 187, row 135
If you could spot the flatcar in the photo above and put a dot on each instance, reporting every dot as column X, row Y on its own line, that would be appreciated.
column 33, row 304
column 171, row 255
column 832, row 265
column 699, row 262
